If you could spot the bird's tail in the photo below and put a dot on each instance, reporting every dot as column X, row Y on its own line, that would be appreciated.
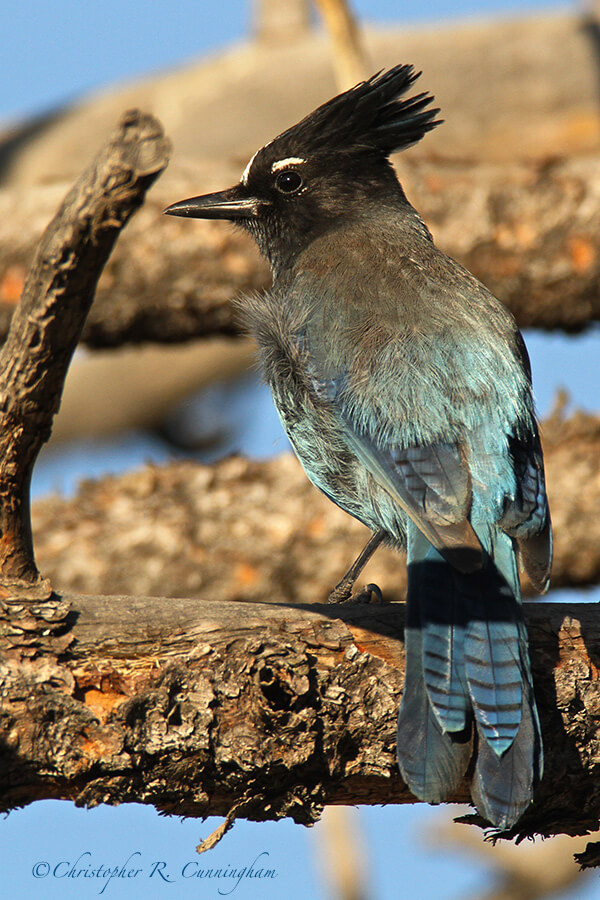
column 468, row 676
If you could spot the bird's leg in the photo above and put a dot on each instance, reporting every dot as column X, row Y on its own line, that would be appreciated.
column 342, row 592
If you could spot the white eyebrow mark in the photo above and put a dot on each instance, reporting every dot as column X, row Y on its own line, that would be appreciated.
column 283, row 163
column 246, row 171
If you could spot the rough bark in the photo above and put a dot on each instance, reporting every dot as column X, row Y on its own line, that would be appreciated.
column 57, row 295
column 262, row 711
column 527, row 229
column 246, row 530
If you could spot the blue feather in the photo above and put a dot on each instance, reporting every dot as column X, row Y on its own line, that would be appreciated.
column 467, row 665
column 435, row 609
column 432, row 760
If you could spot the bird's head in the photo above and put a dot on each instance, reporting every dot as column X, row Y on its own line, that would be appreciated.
column 331, row 165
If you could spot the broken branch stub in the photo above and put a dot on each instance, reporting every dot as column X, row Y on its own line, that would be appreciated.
column 46, row 326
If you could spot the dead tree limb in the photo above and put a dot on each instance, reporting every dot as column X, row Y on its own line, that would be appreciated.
column 43, row 335
column 527, row 229
column 202, row 708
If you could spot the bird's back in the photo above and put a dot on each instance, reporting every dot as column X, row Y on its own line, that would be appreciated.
column 376, row 304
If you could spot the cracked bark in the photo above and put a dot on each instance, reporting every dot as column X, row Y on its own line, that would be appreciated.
column 198, row 707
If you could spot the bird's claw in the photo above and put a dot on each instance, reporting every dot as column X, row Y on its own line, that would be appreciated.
column 342, row 593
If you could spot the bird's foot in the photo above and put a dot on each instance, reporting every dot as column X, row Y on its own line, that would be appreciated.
column 342, row 593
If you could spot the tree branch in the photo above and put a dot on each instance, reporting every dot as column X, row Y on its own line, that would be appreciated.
column 47, row 323
column 197, row 707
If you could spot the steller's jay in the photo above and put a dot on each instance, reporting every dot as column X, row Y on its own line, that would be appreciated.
column 405, row 389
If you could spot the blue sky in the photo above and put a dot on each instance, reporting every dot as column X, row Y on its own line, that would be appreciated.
column 52, row 52
column 55, row 51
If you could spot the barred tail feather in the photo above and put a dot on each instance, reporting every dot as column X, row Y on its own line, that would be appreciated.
column 509, row 756
column 436, row 609
column 434, row 741
column 432, row 761
column 468, row 665
column 502, row 786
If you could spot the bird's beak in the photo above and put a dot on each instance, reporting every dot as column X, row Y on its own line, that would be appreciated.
column 234, row 203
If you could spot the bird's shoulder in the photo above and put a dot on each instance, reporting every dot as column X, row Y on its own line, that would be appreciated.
column 365, row 286
column 390, row 266
column 380, row 310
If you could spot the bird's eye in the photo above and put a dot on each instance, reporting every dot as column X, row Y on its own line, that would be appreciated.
column 288, row 182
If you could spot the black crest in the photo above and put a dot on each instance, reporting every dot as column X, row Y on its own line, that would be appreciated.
column 369, row 117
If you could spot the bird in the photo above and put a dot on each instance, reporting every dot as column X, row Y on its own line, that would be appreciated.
column 405, row 389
